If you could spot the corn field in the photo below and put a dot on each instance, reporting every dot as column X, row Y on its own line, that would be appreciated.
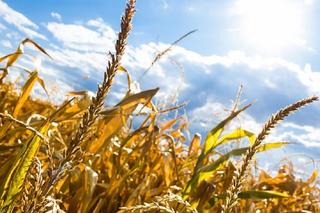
column 82, row 156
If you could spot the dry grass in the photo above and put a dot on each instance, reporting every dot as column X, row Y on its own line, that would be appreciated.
column 83, row 157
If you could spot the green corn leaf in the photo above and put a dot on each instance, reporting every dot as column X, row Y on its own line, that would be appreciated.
column 273, row 145
column 12, row 185
column 236, row 134
column 206, row 171
column 210, row 142
column 213, row 135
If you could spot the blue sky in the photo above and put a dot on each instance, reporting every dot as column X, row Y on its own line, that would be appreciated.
column 271, row 47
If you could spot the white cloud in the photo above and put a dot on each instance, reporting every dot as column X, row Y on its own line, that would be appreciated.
column 82, row 38
column 14, row 17
column 266, row 67
column 86, row 61
column 19, row 20
column 56, row 16
column 307, row 135
column 100, row 25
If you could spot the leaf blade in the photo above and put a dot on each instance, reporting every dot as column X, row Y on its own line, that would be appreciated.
column 16, row 177
column 213, row 135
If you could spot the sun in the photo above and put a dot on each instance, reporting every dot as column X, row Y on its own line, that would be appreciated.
column 271, row 24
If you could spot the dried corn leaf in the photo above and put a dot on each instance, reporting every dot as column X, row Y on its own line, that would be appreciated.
column 25, row 92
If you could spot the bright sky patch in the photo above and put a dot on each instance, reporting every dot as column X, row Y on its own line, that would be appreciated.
column 272, row 24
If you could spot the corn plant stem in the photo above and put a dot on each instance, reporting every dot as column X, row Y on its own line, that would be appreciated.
column 90, row 116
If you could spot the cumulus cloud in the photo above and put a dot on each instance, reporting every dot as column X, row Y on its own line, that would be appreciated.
column 86, row 61
column 17, row 19
column 267, row 68
column 307, row 135
column 83, row 38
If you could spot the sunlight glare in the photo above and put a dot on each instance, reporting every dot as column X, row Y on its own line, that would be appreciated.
column 271, row 24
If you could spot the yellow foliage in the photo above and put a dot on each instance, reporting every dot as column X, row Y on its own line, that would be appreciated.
column 129, row 158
